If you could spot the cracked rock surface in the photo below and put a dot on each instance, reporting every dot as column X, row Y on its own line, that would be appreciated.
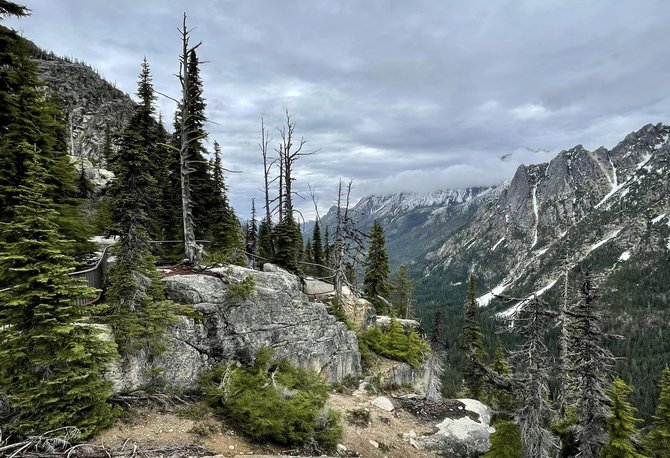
column 277, row 314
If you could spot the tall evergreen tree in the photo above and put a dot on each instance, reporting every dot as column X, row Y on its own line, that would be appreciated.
column 140, row 315
column 500, row 399
column 252, row 226
column 288, row 244
column 375, row 282
column 327, row 249
column 28, row 115
column 264, row 247
column 317, row 250
column 658, row 440
column 621, row 423
column 52, row 361
column 530, row 378
column 403, row 288
column 436, row 360
column 473, row 345
column 225, row 230
column 308, row 256
column 203, row 188
column 591, row 363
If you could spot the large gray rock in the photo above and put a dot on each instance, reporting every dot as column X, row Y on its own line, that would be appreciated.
column 402, row 374
column 277, row 314
column 467, row 436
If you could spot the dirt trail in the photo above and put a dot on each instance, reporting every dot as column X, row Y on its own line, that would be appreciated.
column 150, row 428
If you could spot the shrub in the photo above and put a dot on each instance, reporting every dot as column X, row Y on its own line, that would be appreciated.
column 396, row 344
column 243, row 289
column 273, row 401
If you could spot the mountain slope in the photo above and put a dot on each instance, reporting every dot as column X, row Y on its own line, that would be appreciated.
column 90, row 103
column 605, row 210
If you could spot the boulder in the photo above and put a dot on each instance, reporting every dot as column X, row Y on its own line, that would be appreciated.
column 360, row 311
column 277, row 314
column 384, row 322
column 466, row 436
column 383, row 403
column 395, row 374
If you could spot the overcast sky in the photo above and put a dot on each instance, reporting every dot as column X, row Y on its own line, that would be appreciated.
column 397, row 95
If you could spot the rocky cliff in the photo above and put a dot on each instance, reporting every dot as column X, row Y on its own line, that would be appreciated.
column 91, row 104
column 276, row 314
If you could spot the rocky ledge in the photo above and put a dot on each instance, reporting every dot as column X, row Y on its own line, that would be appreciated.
column 276, row 314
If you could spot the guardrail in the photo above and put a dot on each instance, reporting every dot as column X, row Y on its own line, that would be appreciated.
column 94, row 277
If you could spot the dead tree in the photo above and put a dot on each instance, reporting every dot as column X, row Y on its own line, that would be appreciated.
column 289, row 153
column 349, row 244
column 267, row 167
column 192, row 250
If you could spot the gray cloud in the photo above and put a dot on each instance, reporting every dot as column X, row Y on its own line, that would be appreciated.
column 396, row 95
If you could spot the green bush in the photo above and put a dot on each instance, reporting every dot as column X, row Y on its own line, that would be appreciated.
column 273, row 401
column 243, row 289
column 396, row 344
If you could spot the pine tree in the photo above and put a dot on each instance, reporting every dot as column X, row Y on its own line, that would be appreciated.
column 436, row 361
column 375, row 282
column 501, row 399
column 473, row 345
column 327, row 249
column 203, row 188
column 252, row 226
column 107, row 148
column 403, row 288
column 8, row 8
column 135, row 295
column 592, row 363
column 308, row 256
column 288, row 244
column 530, row 379
column 657, row 442
column 27, row 115
column 621, row 423
column 52, row 360
column 226, row 231
column 265, row 250
column 505, row 441
column 317, row 250
column 147, row 131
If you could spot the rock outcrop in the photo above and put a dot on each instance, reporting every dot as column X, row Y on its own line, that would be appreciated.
column 276, row 314
column 466, row 436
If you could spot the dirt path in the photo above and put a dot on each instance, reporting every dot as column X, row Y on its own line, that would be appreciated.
column 150, row 428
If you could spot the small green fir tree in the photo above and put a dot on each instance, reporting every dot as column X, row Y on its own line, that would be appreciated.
column 658, row 440
column 375, row 282
column 505, row 441
column 621, row 424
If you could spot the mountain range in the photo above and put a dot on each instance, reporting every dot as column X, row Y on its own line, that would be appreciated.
column 606, row 211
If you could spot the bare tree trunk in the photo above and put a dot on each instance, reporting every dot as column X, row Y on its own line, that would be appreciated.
column 281, row 184
column 265, row 141
column 192, row 250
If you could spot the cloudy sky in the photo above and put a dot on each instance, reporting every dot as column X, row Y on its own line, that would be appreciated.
column 396, row 95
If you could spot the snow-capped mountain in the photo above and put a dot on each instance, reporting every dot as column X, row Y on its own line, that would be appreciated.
column 603, row 210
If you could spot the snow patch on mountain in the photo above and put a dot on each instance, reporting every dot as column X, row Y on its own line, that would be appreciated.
column 498, row 243
column 609, row 237
column 511, row 312
column 486, row 299
column 658, row 218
